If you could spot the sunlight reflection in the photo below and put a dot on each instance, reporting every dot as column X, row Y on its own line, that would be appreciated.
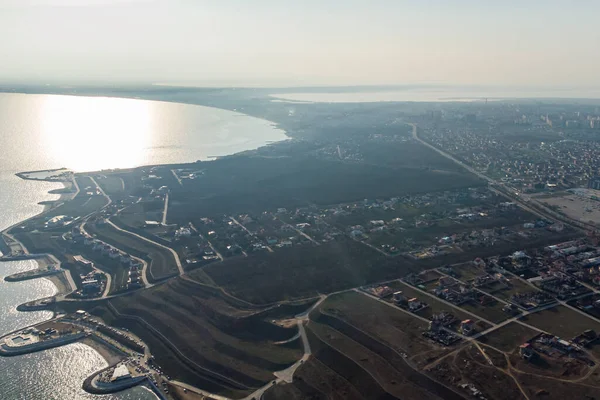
column 85, row 134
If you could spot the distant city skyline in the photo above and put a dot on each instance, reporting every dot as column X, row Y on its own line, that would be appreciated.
column 288, row 43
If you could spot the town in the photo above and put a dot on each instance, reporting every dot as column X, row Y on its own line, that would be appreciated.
column 429, row 253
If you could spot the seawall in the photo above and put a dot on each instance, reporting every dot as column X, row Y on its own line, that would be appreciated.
column 7, row 351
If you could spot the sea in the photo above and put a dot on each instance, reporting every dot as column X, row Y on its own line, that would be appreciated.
column 439, row 94
column 89, row 134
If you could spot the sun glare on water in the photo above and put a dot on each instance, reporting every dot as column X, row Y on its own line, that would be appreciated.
column 86, row 134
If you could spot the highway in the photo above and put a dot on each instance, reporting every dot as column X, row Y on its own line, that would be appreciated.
column 441, row 152
column 498, row 187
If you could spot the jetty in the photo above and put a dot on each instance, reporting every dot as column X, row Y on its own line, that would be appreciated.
column 31, row 340
column 49, row 270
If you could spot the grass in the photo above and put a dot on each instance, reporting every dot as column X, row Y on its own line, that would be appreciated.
column 347, row 368
column 555, row 389
column 435, row 306
column 468, row 365
column 492, row 312
column 400, row 330
column 561, row 321
column 508, row 337
column 118, row 272
column 80, row 206
column 211, row 332
column 467, row 271
column 517, row 286
column 300, row 272
column 111, row 184
column 162, row 262
column 313, row 379
column 368, row 344
column 245, row 184
column 388, row 375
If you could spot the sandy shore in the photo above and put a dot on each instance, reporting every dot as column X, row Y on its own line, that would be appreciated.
column 111, row 355
column 61, row 283
column 50, row 204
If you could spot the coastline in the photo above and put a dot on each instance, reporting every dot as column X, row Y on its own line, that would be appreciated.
column 59, row 281
column 111, row 356
column 66, row 192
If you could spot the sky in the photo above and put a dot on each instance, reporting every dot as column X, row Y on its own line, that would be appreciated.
column 550, row 43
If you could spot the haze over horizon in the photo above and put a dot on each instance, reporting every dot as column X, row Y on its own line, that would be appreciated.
column 287, row 43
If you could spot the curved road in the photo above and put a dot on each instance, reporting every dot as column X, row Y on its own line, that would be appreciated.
column 175, row 255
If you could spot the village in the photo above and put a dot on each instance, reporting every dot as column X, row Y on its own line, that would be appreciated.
column 482, row 298
column 419, row 226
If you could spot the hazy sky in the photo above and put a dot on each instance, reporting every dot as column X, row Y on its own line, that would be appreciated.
column 302, row 42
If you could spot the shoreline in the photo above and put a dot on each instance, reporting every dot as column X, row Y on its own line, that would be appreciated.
column 66, row 192
column 111, row 356
column 67, row 195
column 59, row 281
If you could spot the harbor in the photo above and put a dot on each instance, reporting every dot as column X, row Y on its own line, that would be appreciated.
column 130, row 362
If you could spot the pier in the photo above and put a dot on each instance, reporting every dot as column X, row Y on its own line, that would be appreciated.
column 34, row 273
column 25, row 343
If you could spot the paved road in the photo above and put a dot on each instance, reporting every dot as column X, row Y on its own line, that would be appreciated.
column 476, row 317
column 540, row 209
column 175, row 255
column 166, row 209
column 227, row 380
column 287, row 375
column 199, row 391
column 108, row 276
column 213, row 248
column 507, row 191
column 498, row 299
column 299, row 232
column 177, row 177
column 238, row 223
column 66, row 272
column 465, row 166
column 101, row 191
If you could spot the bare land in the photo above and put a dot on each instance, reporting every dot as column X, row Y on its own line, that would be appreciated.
column 562, row 321
column 576, row 207
column 509, row 337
